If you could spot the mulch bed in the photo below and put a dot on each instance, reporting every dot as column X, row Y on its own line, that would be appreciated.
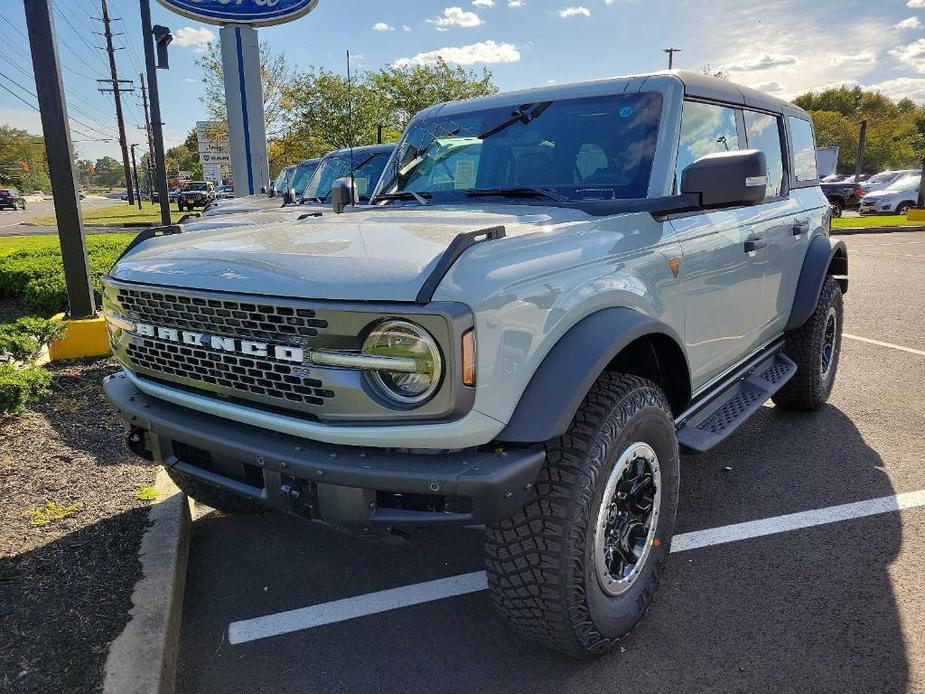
column 65, row 587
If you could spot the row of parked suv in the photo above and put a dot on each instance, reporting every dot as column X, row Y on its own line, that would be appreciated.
column 546, row 296
column 888, row 192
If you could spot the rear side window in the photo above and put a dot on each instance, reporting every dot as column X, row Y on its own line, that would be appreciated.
column 705, row 129
column 804, row 150
column 763, row 132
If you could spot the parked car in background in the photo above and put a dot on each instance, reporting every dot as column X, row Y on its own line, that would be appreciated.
column 883, row 179
column 844, row 195
column 294, row 178
column 196, row 194
column 224, row 192
column 897, row 198
column 12, row 198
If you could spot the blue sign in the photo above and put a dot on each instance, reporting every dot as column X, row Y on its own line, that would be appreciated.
column 251, row 12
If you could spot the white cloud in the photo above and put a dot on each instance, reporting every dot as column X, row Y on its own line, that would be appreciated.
column 515, row 3
column 770, row 87
column 916, row 4
column 383, row 26
column 197, row 38
column 766, row 61
column 456, row 17
column 482, row 52
column 189, row 80
column 574, row 12
column 405, row 27
column 483, row 3
column 912, row 54
column 910, row 23
column 902, row 88
column 862, row 58
column 849, row 84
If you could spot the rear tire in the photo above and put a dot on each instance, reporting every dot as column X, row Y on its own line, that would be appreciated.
column 577, row 567
column 213, row 497
column 837, row 207
column 903, row 209
column 815, row 347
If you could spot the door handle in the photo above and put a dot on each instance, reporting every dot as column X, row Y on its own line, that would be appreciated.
column 800, row 228
column 753, row 243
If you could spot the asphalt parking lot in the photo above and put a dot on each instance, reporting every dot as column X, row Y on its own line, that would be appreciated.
column 11, row 221
column 830, row 600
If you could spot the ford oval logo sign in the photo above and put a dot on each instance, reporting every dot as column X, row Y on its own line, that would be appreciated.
column 253, row 12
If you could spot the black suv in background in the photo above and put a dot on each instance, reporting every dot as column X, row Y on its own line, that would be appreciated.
column 843, row 195
column 12, row 198
column 196, row 194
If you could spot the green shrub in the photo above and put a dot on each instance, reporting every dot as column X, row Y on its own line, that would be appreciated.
column 20, row 386
column 35, row 276
column 23, row 339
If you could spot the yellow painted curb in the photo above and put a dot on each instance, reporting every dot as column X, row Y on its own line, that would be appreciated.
column 84, row 338
column 916, row 215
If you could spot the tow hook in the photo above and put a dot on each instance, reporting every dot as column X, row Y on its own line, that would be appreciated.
column 136, row 443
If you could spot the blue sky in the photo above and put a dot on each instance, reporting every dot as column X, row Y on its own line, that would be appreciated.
column 784, row 47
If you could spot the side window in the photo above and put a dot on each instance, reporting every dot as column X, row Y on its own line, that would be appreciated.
column 763, row 132
column 804, row 150
column 705, row 129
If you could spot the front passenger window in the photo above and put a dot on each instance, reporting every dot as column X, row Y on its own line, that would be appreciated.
column 705, row 129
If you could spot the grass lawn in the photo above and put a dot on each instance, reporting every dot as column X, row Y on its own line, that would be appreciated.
column 9, row 244
column 872, row 221
column 117, row 214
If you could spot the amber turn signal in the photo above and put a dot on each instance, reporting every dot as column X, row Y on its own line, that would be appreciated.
column 468, row 358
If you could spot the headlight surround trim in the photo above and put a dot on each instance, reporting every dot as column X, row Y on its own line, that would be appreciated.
column 404, row 388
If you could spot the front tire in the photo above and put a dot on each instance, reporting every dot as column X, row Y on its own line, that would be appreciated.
column 837, row 207
column 815, row 347
column 903, row 209
column 577, row 567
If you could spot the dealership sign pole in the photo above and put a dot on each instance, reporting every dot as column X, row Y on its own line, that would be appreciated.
column 243, row 86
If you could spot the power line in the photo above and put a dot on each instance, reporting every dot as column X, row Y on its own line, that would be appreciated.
column 35, row 108
column 76, row 31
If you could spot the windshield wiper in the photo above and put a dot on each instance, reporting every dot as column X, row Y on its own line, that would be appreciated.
column 516, row 193
column 521, row 115
column 421, row 198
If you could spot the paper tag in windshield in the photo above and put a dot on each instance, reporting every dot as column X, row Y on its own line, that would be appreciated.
column 465, row 174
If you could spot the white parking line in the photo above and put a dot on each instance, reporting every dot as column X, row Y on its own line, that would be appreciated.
column 418, row 593
column 884, row 344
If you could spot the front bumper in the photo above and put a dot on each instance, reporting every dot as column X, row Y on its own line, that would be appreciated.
column 353, row 488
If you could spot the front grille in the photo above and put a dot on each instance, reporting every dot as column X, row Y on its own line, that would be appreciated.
column 264, row 378
column 250, row 321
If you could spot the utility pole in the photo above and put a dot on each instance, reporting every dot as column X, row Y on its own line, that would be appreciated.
column 671, row 52
column 60, row 154
column 160, row 167
column 144, row 103
column 135, row 173
column 862, row 143
column 116, row 91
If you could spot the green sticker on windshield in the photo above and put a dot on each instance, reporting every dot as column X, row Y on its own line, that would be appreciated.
column 465, row 174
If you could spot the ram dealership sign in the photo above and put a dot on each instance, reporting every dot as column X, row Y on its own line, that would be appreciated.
column 252, row 12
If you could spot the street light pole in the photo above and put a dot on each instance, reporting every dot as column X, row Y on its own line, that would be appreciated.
column 135, row 174
column 157, row 126
column 60, row 155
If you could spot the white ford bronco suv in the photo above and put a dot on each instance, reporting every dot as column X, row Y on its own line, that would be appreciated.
column 551, row 293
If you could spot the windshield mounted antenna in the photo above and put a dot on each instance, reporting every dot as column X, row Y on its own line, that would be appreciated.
column 350, row 130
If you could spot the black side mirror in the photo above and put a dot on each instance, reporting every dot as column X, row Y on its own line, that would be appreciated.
column 289, row 197
column 342, row 194
column 728, row 179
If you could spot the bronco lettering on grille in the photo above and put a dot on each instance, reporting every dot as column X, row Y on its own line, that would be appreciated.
column 248, row 348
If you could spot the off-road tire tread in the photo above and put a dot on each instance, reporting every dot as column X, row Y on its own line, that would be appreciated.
column 803, row 391
column 534, row 560
column 213, row 497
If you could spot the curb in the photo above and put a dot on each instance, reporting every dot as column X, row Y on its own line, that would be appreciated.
column 143, row 658
column 875, row 230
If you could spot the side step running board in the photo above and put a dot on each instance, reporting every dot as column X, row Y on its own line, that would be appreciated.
column 722, row 414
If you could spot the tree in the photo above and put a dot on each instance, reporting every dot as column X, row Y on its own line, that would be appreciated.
column 108, row 173
column 275, row 75
column 184, row 157
column 412, row 88
column 22, row 159
column 710, row 71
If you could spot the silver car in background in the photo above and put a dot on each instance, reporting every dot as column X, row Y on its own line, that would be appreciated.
column 883, row 179
column 897, row 198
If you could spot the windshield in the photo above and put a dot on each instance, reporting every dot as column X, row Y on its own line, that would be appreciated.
column 368, row 169
column 283, row 180
column 905, row 183
column 301, row 176
column 198, row 186
column 597, row 148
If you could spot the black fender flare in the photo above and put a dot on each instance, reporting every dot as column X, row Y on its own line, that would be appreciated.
column 820, row 257
column 558, row 387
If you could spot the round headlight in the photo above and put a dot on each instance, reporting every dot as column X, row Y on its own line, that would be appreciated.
column 416, row 357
